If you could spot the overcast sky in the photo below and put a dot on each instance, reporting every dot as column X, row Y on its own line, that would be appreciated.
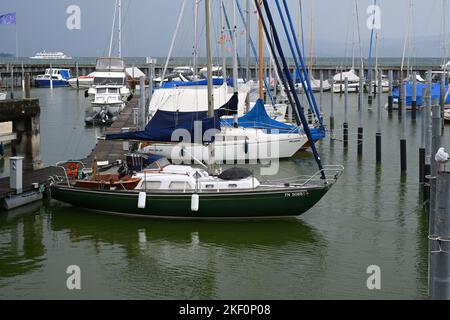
column 148, row 26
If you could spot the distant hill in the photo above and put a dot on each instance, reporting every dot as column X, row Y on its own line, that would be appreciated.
column 5, row 55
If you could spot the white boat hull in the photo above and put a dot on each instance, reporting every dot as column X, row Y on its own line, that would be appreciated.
column 230, row 148
column 2, row 95
column 83, row 83
column 352, row 88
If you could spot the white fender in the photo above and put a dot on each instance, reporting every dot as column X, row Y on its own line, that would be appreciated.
column 141, row 200
column 195, row 202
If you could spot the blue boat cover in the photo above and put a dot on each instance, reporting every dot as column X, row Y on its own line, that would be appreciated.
column 204, row 82
column 435, row 93
column 258, row 118
column 164, row 123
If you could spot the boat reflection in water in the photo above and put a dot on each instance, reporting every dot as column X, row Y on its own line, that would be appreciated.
column 146, row 258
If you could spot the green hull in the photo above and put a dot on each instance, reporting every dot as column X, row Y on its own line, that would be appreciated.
column 266, row 203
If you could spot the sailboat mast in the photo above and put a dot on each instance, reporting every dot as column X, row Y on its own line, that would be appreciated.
column 209, row 58
column 247, row 41
column 235, row 60
column 223, row 41
column 260, row 53
column 112, row 29
column 120, row 28
column 195, row 53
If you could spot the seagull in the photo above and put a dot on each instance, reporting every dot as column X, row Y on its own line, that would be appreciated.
column 441, row 156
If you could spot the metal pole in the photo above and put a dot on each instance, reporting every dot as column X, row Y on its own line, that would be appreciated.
column 12, row 82
column 422, row 140
column 414, row 97
column 223, row 43
column 332, row 109
column 439, row 241
column 360, row 100
column 346, row 113
column 209, row 58
column 442, row 101
column 370, row 87
column 400, row 95
column 390, row 98
column 78, row 80
column 427, row 141
column 142, row 101
column 247, row 39
column 378, row 134
column 321, row 89
column 403, row 161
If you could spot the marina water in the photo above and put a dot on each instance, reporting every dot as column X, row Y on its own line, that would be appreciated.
column 372, row 216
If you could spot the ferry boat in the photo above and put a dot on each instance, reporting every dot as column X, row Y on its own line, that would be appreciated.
column 51, row 56
column 53, row 78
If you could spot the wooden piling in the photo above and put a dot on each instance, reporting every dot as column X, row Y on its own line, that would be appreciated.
column 27, row 86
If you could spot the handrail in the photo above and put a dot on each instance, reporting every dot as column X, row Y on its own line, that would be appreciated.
column 337, row 169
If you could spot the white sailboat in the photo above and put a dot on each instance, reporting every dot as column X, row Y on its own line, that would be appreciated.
column 233, row 142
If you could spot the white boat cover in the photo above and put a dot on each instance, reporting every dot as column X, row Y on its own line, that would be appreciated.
column 194, row 98
column 350, row 75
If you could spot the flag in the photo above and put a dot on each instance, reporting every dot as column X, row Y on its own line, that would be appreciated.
column 9, row 18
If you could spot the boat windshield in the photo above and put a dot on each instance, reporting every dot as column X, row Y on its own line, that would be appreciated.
column 110, row 64
column 108, row 81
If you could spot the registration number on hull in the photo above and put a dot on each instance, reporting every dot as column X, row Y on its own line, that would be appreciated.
column 296, row 194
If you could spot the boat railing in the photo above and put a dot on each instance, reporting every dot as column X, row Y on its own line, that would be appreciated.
column 60, row 179
column 331, row 172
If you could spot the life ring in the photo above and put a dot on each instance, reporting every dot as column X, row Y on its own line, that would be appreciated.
column 72, row 169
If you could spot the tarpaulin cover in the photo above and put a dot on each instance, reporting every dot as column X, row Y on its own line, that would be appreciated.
column 164, row 123
column 435, row 93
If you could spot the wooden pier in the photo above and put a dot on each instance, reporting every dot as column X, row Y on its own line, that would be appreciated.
column 105, row 150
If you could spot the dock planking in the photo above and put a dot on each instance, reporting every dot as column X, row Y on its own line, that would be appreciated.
column 105, row 150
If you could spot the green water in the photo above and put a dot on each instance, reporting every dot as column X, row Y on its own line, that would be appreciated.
column 372, row 216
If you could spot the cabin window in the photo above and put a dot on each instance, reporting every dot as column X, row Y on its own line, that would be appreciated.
column 179, row 185
column 232, row 185
column 108, row 81
column 101, row 90
column 152, row 185
column 113, row 90
column 209, row 186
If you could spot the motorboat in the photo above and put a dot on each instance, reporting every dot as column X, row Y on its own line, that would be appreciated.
column 82, row 82
column 109, row 90
column 53, row 77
